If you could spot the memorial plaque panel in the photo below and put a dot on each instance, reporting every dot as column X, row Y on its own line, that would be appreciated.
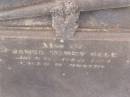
column 64, row 68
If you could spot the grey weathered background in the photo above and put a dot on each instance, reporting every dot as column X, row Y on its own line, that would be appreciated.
column 114, row 18
column 33, row 81
column 10, row 4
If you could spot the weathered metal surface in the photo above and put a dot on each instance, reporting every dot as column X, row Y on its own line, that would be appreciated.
column 13, row 4
column 94, row 62
column 38, row 67
column 45, row 8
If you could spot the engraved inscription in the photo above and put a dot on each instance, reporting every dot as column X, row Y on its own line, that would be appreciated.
column 75, row 54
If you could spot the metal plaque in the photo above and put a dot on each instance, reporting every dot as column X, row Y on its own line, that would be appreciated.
column 57, row 68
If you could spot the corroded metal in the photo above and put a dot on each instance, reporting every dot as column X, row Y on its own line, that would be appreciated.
column 65, row 17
